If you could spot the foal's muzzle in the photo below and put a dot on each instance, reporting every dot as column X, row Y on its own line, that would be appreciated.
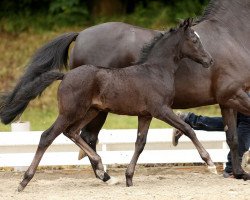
column 208, row 63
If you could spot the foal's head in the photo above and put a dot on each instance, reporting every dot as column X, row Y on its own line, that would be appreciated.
column 181, row 42
column 190, row 45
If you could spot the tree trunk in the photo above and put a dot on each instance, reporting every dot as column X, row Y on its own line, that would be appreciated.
column 99, row 8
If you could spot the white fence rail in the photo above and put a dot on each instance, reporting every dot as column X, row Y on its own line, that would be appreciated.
column 115, row 147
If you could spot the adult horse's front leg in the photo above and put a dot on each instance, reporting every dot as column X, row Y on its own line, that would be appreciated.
column 46, row 140
column 229, row 117
column 167, row 115
column 240, row 101
column 143, row 126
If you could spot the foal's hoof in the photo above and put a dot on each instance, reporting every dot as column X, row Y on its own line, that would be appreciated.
column 112, row 181
column 100, row 174
column 20, row 188
column 212, row 169
column 81, row 154
column 129, row 183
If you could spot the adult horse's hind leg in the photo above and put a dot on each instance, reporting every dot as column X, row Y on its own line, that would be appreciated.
column 90, row 132
column 229, row 117
column 46, row 140
column 73, row 134
column 167, row 115
column 143, row 126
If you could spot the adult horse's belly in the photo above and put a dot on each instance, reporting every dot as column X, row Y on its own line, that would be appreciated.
column 192, row 86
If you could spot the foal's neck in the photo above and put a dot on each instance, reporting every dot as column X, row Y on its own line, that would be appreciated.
column 165, row 56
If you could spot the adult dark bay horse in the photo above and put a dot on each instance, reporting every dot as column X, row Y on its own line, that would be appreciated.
column 123, row 91
column 224, row 30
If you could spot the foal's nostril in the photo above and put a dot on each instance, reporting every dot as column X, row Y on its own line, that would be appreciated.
column 211, row 62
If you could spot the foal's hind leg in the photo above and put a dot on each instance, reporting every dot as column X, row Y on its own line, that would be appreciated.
column 46, row 140
column 73, row 134
column 143, row 126
column 167, row 115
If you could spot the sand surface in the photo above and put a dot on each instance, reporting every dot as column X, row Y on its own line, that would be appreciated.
column 149, row 183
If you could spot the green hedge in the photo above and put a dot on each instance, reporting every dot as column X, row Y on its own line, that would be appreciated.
column 42, row 15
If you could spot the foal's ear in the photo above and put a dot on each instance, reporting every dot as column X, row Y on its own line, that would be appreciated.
column 187, row 23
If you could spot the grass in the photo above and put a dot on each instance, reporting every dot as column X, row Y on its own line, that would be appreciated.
column 17, row 49
column 42, row 118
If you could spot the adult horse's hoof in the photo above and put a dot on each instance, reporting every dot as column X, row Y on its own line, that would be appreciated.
column 81, row 154
column 212, row 169
column 246, row 177
column 175, row 136
column 177, row 133
column 246, row 162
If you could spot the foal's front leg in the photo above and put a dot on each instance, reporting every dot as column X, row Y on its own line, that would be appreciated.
column 143, row 126
column 167, row 115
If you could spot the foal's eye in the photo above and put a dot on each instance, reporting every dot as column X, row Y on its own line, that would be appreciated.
column 195, row 40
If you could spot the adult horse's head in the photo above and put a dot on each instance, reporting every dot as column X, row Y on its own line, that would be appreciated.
column 191, row 46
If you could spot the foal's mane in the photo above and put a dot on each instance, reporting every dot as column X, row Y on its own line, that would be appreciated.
column 147, row 47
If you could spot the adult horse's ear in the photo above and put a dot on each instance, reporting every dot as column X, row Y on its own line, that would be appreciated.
column 190, row 21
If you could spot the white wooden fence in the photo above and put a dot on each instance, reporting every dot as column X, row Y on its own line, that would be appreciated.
column 115, row 147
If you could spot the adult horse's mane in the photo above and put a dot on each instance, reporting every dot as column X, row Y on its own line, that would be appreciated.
column 216, row 9
column 212, row 8
column 146, row 49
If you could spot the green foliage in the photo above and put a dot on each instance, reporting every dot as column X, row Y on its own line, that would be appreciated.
column 155, row 15
column 35, row 15
column 185, row 9
column 69, row 11
column 43, row 15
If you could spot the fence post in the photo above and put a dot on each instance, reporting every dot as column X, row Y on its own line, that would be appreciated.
column 104, row 149
column 224, row 146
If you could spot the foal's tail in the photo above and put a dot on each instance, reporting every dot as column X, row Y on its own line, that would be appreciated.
column 9, row 110
column 39, row 74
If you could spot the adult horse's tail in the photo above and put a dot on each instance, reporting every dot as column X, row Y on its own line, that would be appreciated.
column 39, row 74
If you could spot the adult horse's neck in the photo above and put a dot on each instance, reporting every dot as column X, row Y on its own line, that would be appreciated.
column 231, row 15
